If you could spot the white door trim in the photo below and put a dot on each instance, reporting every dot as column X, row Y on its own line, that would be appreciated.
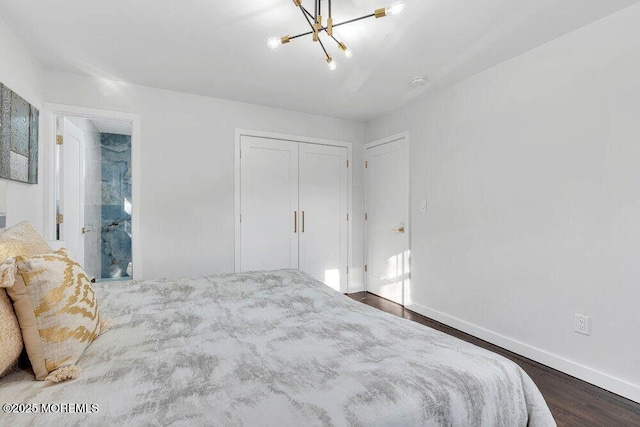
column 50, row 111
column 406, row 135
column 271, row 135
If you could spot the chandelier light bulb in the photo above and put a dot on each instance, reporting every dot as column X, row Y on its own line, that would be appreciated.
column 396, row 8
column 331, row 63
column 274, row 42
column 347, row 52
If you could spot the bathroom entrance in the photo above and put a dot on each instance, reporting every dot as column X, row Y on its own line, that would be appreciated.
column 93, row 197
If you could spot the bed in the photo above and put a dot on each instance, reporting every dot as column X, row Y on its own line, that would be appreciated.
column 274, row 349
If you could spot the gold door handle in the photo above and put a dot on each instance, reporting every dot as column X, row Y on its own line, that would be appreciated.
column 295, row 221
column 399, row 229
column 303, row 221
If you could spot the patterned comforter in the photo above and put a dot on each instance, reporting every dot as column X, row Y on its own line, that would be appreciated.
column 272, row 349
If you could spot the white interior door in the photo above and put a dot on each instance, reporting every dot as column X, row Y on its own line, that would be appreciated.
column 72, row 196
column 324, row 207
column 387, row 234
column 268, row 204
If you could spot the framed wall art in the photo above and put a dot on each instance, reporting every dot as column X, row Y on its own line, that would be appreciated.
column 18, row 138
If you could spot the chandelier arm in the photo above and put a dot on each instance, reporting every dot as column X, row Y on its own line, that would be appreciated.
column 323, row 48
column 354, row 20
column 311, row 25
column 303, row 10
column 308, row 13
column 334, row 25
column 300, row 35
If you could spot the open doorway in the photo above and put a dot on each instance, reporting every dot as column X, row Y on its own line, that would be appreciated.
column 93, row 193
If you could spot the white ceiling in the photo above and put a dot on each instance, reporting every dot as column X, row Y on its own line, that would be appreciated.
column 218, row 48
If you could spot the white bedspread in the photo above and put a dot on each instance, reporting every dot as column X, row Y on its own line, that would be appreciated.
column 273, row 349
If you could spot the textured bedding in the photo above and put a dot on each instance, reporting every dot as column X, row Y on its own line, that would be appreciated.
column 274, row 349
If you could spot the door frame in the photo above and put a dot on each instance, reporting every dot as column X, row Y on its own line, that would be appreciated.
column 294, row 138
column 406, row 135
column 50, row 111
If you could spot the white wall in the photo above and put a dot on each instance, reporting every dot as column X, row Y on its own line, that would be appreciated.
column 187, row 175
column 22, row 73
column 532, row 174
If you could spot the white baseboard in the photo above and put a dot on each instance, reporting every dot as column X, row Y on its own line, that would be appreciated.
column 600, row 379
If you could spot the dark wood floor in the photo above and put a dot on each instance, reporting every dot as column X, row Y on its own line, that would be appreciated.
column 573, row 402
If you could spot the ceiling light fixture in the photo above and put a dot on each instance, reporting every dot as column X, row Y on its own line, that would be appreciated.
column 317, row 27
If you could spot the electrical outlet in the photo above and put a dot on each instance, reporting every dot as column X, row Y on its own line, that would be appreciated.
column 582, row 325
column 423, row 206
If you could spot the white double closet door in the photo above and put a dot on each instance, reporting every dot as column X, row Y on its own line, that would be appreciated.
column 293, row 208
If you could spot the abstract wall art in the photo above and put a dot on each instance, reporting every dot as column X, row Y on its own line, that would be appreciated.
column 18, row 137
column 3, row 204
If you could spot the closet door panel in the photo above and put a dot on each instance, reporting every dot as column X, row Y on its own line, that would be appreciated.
column 268, row 204
column 323, row 213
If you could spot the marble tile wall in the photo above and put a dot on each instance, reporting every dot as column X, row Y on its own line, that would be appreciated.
column 116, row 207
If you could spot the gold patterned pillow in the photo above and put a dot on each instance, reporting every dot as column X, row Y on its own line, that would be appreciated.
column 57, row 311
column 10, row 336
column 21, row 239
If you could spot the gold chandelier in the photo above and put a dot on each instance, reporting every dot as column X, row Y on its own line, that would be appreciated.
column 315, row 22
